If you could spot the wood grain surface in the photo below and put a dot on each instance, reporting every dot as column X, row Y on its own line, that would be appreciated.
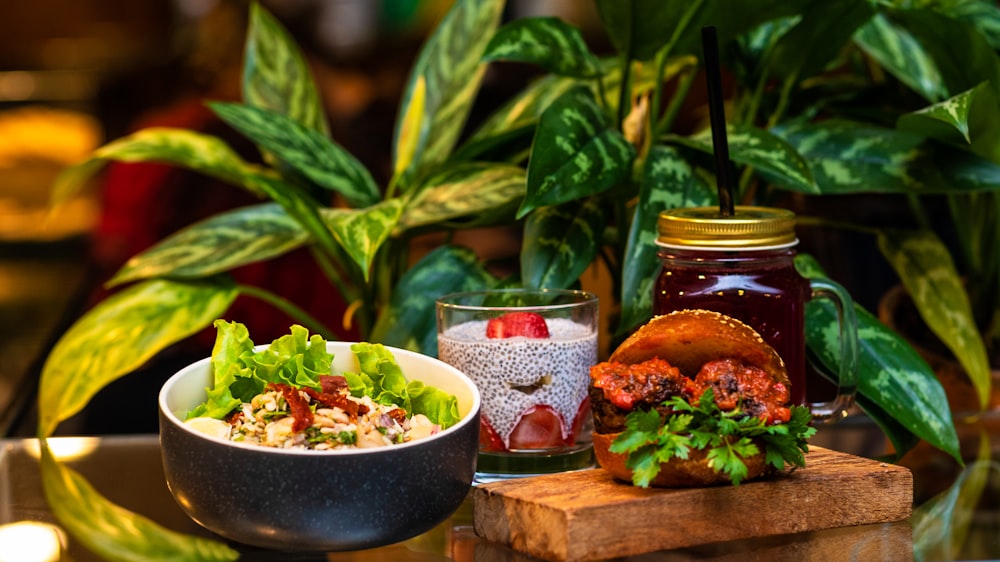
column 587, row 515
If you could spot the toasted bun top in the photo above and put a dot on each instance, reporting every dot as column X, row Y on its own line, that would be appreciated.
column 687, row 339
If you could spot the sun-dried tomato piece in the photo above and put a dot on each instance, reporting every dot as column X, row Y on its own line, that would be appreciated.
column 297, row 404
column 338, row 400
column 333, row 384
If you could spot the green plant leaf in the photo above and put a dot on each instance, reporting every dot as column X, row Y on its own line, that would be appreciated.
column 900, row 54
column 449, row 65
column 119, row 335
column 637, row 28
column 202, row 153
column 361, row 232
column 307, row 151
column 925, row 267
column 852, row 157
column 408, row 321
column 575, row 153
column 560, row 242
column 465, row 190
column 220, row 243
column 548, row 42
column 275, row 74
column 773, row 158
column 984, row 15
column 947, row 120
column 668, row 182
column 962, row 55
column 112, row 532
column 817, row 37
column 890, row 373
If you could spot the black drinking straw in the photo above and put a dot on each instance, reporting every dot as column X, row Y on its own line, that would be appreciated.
column 717, row 116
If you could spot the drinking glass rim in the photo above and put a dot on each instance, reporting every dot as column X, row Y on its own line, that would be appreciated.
column 585, row 298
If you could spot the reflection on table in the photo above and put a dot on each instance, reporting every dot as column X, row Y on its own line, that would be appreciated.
column 127, row 470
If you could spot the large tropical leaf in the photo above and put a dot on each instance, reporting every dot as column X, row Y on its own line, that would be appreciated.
column 947, row 120
column 984, row 15
column 112, row 532
column 852, row 157
column 220, row 243
column 560, row 242
column 474, row 190
column 119, row 335
column 448, row 72
column 891, row 375
column 900, row 54
column 771, row 157
column 638, row 28
column 275, row 74
column 576, row 153
column 307, row 151
column 817, row 38
column 408, row 321
column 361, row 232
column 962, row 55
column 199, row 152
column 548, row 42
column 668, row 182
column 925, row 267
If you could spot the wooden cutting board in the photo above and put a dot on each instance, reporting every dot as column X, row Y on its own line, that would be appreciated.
column 587, row 515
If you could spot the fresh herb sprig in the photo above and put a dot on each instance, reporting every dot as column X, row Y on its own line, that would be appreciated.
column 729, row 437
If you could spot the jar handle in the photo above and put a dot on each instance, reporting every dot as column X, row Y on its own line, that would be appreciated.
column 837, row 408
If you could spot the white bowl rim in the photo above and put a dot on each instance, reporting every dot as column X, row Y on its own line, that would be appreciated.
column 466, row 419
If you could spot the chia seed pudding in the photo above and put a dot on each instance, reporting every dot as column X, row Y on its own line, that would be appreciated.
column 515, row 374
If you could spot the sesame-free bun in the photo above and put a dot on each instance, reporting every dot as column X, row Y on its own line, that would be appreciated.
column 688, row 339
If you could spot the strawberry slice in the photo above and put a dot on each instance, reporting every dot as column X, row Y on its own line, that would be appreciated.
column 540, row 427
column 512, row 324
column 489, row 439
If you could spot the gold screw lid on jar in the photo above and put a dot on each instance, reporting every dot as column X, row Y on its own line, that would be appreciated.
column 757, row 228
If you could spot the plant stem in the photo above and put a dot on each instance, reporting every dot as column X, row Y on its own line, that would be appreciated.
column 288, row 308
column 676, row 102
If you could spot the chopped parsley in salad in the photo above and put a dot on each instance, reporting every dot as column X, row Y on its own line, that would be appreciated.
column 286, row 396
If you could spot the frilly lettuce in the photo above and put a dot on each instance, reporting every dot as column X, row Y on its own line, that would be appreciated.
column 298, row 359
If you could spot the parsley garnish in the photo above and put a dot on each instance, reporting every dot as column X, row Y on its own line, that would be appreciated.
column 728, row 436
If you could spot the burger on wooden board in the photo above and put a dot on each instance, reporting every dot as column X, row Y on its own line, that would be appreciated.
column 695, row 398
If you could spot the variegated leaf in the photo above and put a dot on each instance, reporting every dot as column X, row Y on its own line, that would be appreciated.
column 119, row 335
column 113, row 532
column 891, row 375
column 962, row 55
column 409, row 319
column 575, row 153
column 307, row 151
column 449, row 64
column 947, row 120
column 925, row 267
column 817, row 37
column 548, row 42
column 219, row 243
column 517, row 118
column 560, row 242
column 298, row 205
column 464, row 190
column 668, row 182
column 851, row 157
column 361, row 232
column 275, row 74
column 771, row 157
column 984, row 15
column 195, row 151
column 900, row 54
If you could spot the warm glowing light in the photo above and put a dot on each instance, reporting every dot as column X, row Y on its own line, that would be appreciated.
column 64, row 448
column 31, row 541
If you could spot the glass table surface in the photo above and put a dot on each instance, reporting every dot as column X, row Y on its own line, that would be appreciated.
column 127, row 470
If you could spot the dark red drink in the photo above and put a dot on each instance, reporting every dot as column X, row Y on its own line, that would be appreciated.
column 761, row 288
column 742, row 265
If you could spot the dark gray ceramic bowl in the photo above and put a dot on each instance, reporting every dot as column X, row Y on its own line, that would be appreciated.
column 320, row 500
